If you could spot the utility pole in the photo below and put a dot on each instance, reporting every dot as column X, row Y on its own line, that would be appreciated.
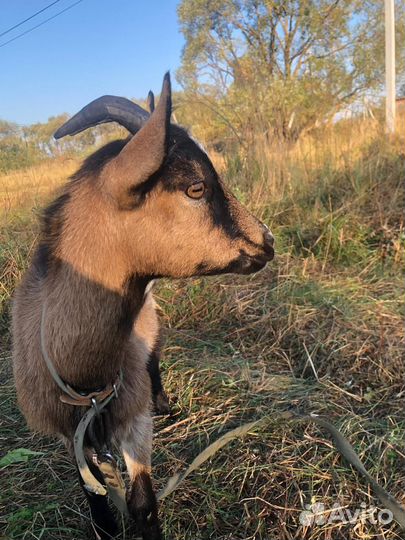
column 389, row 66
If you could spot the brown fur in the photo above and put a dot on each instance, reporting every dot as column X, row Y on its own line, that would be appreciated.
column 122, row 220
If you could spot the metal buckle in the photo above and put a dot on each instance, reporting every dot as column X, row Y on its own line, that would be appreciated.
column 106, row 457
column 95, row 406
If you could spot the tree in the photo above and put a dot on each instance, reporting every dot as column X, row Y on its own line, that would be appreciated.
column 280, row 65
column 7, row 129
column 22, row 146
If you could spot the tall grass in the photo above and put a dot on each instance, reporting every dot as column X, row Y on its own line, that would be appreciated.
column 337, row 194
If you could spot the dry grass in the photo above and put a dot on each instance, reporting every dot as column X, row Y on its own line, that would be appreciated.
column 26, row 188
column 320, row 331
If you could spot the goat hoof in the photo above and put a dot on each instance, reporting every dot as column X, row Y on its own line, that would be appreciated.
column 161, row 403
column 105, row 528
column 148, row 525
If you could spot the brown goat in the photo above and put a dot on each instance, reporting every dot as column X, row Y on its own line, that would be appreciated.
column 138, row 209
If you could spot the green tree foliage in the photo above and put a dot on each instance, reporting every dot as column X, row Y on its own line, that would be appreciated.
column 279, row 66
column 21, row 146
column 15, row 152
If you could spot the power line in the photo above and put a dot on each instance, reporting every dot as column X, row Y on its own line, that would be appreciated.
column 41, row 24
column 28, row 18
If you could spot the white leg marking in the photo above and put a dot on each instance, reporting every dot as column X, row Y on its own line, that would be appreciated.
column 137, row 446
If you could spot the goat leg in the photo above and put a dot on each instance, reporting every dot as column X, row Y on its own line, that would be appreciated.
column 103, row 520
column 160, row 399
column 141, row 501
column 142, row 506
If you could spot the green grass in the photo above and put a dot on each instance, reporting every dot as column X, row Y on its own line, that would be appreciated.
column 320, row 330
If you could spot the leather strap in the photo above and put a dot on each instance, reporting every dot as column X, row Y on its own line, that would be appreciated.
column 70, row 395
column 96, row 401
column 87, row 400
column 113, row 480
column 341, row 444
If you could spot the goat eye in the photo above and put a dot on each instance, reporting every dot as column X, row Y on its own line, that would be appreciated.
column 196, row 191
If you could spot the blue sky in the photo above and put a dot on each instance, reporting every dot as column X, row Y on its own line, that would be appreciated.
column 98, row 47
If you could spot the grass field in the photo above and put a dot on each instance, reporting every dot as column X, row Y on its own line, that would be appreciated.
column 320, row 330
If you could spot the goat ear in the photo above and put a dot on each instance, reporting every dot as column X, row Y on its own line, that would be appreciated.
column 144, row 154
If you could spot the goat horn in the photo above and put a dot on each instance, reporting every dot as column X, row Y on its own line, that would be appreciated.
column 105, row 109
column 151, row 101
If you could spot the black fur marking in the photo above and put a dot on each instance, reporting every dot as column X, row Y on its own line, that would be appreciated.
column 102, row 516
column 221, row 214
column 154, row 372
column 205, row 269
column 137, row 194
column 134, row 289
column 202, row 268
column 244, row 264
column 41, row 260
column 93, row 164
column 188, row 163
column 142, row 506
column 160, row 399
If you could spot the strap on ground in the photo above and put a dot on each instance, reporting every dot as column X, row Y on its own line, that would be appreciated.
column 341, row 444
